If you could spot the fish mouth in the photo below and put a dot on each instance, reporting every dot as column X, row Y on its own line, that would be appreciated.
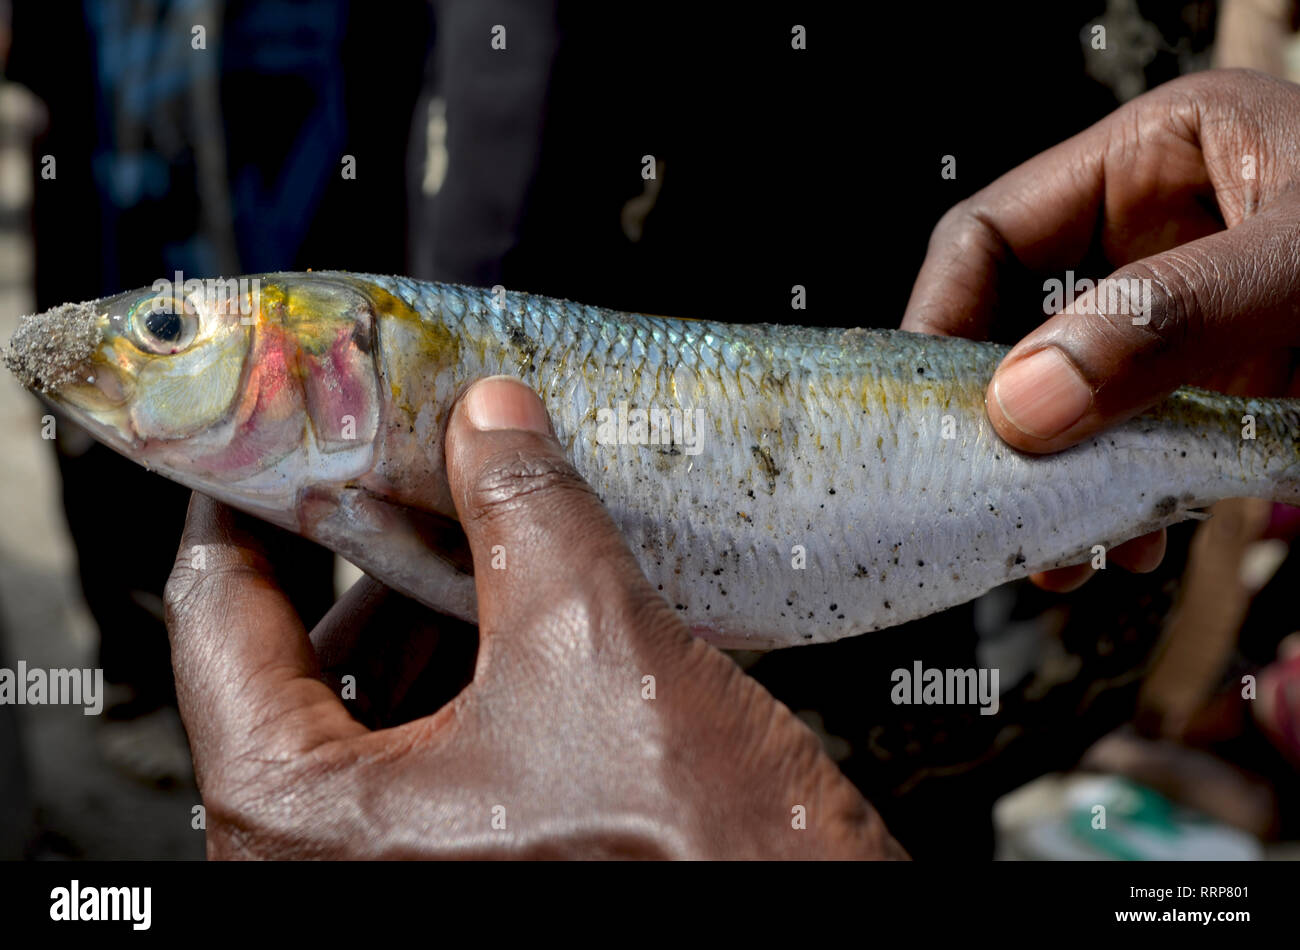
column 53, row 350
column 57, row 355
column 112, row 434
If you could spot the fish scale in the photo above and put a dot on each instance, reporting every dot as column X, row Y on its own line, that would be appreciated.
column 843, row 481
column 895, row 520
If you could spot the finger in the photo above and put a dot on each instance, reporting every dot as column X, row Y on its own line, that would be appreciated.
column 542, row 542
column 1140, row 555
column 342, row 631
column 1145, row 330
column 1062, row 580
column 1135, row 184
column 404, row 659
column 957, row 289
column 246, row 676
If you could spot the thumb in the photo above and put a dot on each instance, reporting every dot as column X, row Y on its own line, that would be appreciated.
column 541, row 540
column 1147, row 329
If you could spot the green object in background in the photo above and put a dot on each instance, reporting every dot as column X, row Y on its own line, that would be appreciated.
column 1140, row 824
column 1136, row 805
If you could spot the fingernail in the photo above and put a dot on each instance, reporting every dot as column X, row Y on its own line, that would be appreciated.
column 503, row 402
column 1043, row 394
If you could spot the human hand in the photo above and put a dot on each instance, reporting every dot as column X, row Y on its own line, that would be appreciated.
column 554, row 749
column 1191, row 189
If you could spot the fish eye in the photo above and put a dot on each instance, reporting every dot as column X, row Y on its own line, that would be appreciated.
column 164, row 325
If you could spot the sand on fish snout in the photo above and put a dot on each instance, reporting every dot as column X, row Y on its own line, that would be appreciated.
column 49, row 349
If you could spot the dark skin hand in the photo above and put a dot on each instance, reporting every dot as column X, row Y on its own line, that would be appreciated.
column 553, row 738
column 1191, row 187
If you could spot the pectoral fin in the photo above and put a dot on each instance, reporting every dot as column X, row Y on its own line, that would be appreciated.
column 419, row 554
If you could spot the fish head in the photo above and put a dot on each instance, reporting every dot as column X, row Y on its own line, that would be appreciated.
column 246, row 389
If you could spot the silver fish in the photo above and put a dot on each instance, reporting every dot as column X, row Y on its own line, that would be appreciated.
column 780, row 485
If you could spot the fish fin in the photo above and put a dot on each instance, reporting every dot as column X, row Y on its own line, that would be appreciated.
column 415, row 552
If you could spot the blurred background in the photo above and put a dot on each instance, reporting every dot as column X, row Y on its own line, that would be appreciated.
column 141, row 137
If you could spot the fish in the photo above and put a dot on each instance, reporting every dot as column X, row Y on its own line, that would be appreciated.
column 779, row 485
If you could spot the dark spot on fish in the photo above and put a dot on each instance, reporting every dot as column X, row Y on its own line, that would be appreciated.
column 921, row 370
column 830, row 491
column 835, row 606
column 772, row 381
column 1016, row 559
column 764, row 459
column 519, row 338
column 1165, row 507
column 860, row 572
column 887, row 606
column 920, row 564
column 526, row 346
